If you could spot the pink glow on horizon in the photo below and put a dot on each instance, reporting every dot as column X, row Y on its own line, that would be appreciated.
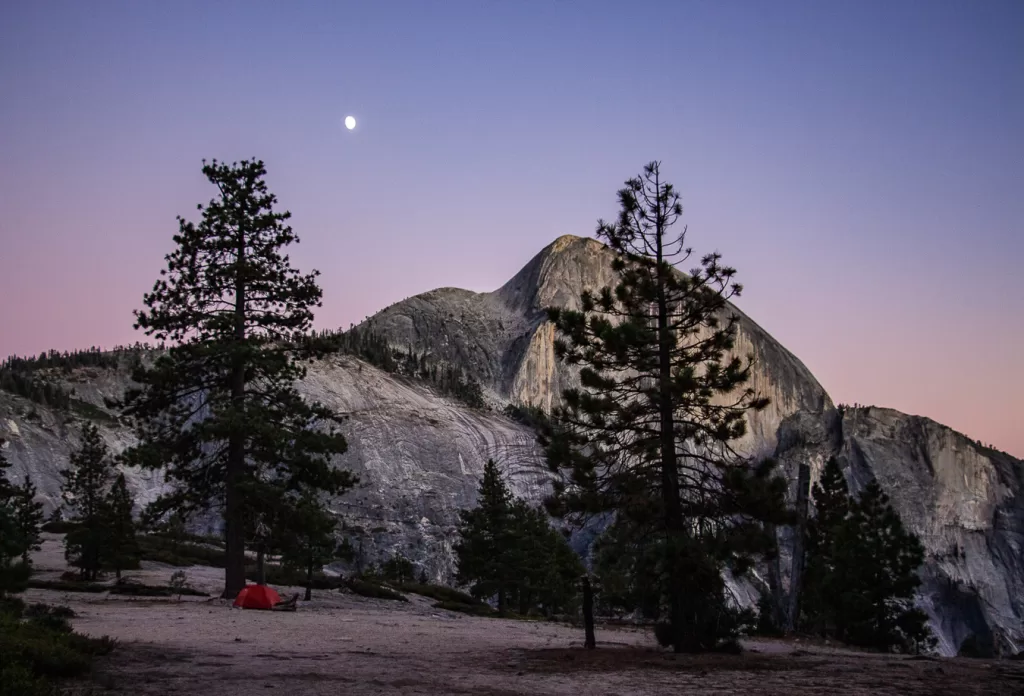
column 860, row 164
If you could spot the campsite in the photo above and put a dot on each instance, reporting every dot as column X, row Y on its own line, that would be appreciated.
column 341, row 643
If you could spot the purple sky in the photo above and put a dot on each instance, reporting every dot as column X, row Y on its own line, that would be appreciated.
column 860, row 163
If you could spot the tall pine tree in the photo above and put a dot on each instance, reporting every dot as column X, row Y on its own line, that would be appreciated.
column 832, row 504
column 13, row 545
column 308, row 541
column 861, row 572
column 84, row 491
column 219, row 409
column 510, row 551
column 122, row 551
column 485, row 536
column 28, row 518
column 661, row 402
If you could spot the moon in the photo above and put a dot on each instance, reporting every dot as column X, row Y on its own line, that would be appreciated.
column 350, row 122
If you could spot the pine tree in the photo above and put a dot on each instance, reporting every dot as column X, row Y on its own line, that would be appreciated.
column 28, row 518
column 510, row 551
column 660, row 403
column 861, row 574
column 122, row 551
column 876, row 562
column 831, row 503
column 627, row 558
column 13, row 573
column 308, row 541
column 398, row 569
column 485, row 534
column 218, row 410
column 84, row 491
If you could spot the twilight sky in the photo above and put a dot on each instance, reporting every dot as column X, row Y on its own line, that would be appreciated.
column 860, row 163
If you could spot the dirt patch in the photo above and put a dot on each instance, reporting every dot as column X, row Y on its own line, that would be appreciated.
column 345, row 644
column 616, row 659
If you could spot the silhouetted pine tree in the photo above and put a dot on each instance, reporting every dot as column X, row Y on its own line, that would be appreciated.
column 308, row 540
column 485, row 534
column 84, row 492
column 122, row 551
column 660, row 403
column 28, row 518
column 862, row 569
column 627, row 561
column 13, row 572
column 398, row 569
column 219, row 408
column 510, row 551
column 831, row 504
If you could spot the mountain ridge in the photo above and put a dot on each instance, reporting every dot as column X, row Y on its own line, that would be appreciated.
column 420, row 453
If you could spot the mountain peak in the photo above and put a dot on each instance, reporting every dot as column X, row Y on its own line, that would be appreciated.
column 557, row 275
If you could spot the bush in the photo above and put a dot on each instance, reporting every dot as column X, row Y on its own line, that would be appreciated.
column 54, row 618
column 162, row 549
column 369, row 589
column 476, row 609
column 67, row 586
column 59, row 526
column 13, row 606
column 16, row 680
column 133, row 590
column 14, row 578
column 289, row 577
column 766, row 622
column 438, row 592
column 663, row 634
column 39, row 650
column 982, row 647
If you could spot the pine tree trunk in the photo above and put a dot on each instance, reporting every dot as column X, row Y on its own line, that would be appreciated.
column 234, row 529
column 590, row 642
column 797, row 572
column 309, row 581
column 669, row 472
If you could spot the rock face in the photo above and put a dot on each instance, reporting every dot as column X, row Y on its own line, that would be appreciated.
column 504, row 339
column 964, row 501
column 420, row 455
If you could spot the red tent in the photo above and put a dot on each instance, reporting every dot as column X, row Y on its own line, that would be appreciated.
column 257, row 597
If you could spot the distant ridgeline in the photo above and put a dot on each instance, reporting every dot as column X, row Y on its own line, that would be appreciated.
column 34, row 378
column 37, row 378
column 370, row 346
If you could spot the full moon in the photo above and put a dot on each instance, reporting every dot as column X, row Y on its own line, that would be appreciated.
column 350, row 122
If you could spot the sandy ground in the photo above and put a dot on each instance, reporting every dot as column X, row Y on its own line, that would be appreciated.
column 343, row 644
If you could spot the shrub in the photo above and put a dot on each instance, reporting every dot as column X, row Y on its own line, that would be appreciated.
column 16, row 680
column 40, row 650
column 663, row 634
column 165, row 550
column 133, row 590
column 981, row 647
column 14, row 577
column 369, row 589
column 67, row 586
column 14, row 606
column 59, row 526
column 438, row 592
column 476, row 609
column 290, row 577
column 767, row 625
column 54, row 618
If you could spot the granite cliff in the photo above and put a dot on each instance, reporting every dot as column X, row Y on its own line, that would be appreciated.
column 420, row 454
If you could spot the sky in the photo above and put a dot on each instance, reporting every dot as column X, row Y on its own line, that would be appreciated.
column 860, row 163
